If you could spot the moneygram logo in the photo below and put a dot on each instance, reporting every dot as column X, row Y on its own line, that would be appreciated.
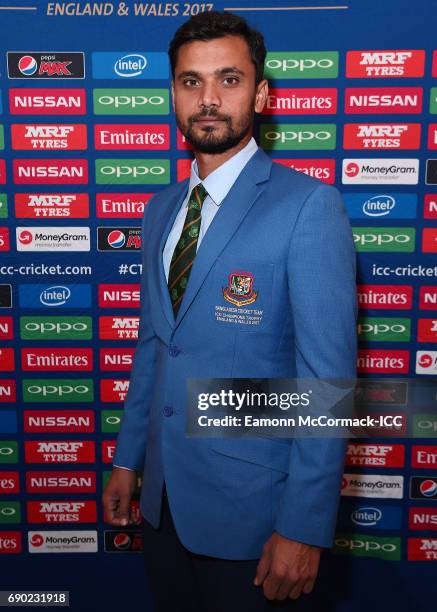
column 301, row 65
column 368, row 546
column 53, row 238
column 369, row 205
column 384, row 329
column 298, row 136
column 62, row 421
column 382, row 361
column 383, row 64
column 131, row 101
column 384, row 239
column 58, row 390
column 426, row 362
column 281, row 101
column 132, row 171
column 56, row 328
column 130, row 66
column 381, row 136
column 360, row 171
column 121, row 205
column 62, row 541
column 47, row 101
column 119, row 238
column 51, row 205
column 46, row 65
column 50, row 171
column 322, row 169
column 388, row 100
column 366, row 485
column 55, row 296
column 43, row 137
column 137, row 136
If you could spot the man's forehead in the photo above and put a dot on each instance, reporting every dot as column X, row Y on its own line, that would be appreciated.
column 214, row 55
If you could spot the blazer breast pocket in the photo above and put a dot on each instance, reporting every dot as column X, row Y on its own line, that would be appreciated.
column 242, row 293
column 261, row 451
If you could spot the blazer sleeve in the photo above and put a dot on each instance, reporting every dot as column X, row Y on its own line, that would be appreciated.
column 131, row 441
column 322, row 293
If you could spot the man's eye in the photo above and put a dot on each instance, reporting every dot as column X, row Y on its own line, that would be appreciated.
column 190, row 82
column 231, row 80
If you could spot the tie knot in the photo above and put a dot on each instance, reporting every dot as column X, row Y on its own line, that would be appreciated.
column 197, row 197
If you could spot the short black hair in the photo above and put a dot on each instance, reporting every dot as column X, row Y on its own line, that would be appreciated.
column 216, row 24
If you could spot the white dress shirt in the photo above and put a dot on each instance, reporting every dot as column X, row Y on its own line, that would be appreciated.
column 217, row 184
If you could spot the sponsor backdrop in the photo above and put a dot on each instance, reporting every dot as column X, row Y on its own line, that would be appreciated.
column 87, row 136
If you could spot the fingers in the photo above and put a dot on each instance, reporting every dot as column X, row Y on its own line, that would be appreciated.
column 263, row 566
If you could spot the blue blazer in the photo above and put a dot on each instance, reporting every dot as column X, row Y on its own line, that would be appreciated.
column 289, row 236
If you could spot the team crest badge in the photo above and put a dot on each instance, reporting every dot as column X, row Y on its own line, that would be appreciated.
column 240, row 289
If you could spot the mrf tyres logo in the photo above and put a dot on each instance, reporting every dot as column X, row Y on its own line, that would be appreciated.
column 376, row 455
column 118, row 328
column 44, row 137
column 359, row 171
column 366, row 485
column 386, row 63
column 53, row 238
column 46, row 65
column 381, row 136
column 51, row 205
column 59, row 451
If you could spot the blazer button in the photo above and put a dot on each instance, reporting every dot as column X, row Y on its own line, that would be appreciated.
column 173, row 351
column 168, row 411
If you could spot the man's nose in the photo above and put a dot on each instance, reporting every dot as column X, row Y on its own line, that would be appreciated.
column 209, row 95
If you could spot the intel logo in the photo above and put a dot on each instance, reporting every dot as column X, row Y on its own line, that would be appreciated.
column 379, row 205
column 131, row 65
column 55, row 296
column 366, row 517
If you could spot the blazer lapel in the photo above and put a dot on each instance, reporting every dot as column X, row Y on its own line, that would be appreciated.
column 241, row 197
column 169, row 210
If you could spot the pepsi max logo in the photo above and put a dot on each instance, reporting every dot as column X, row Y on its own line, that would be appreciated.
column 123, row 541
column 428, row 488
column 27, row 65
column 118, row 238
column 366, row 516
column 46, row 65
column 423, row 487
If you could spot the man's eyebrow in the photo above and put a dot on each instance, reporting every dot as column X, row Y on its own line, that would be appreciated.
column 218, row 72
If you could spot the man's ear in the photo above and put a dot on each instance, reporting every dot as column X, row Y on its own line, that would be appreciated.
column 262, row 91
column 172, row 94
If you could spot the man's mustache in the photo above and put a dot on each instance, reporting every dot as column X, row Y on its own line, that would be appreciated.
column 209, row 114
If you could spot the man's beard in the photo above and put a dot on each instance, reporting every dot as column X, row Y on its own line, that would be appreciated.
column 208, row 142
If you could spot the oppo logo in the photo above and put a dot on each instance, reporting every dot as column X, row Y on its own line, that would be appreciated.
column 381, row 328
column 299, row 136
column 113, row 420
column 301, row 65
column 58, row 328
column 119, row 171
column 379, row 206
column 8, row 511
column 131, row 101
column 379, row 239
column 6, row 450
column 57, row 390
column 365, row 545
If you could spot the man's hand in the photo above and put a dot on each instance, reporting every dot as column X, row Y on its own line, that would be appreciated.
column 117, row 496
column 287, row 568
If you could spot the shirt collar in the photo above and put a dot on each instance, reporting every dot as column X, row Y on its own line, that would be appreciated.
column 219, row 182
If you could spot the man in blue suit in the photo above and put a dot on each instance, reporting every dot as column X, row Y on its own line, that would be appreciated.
column 233, row 524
